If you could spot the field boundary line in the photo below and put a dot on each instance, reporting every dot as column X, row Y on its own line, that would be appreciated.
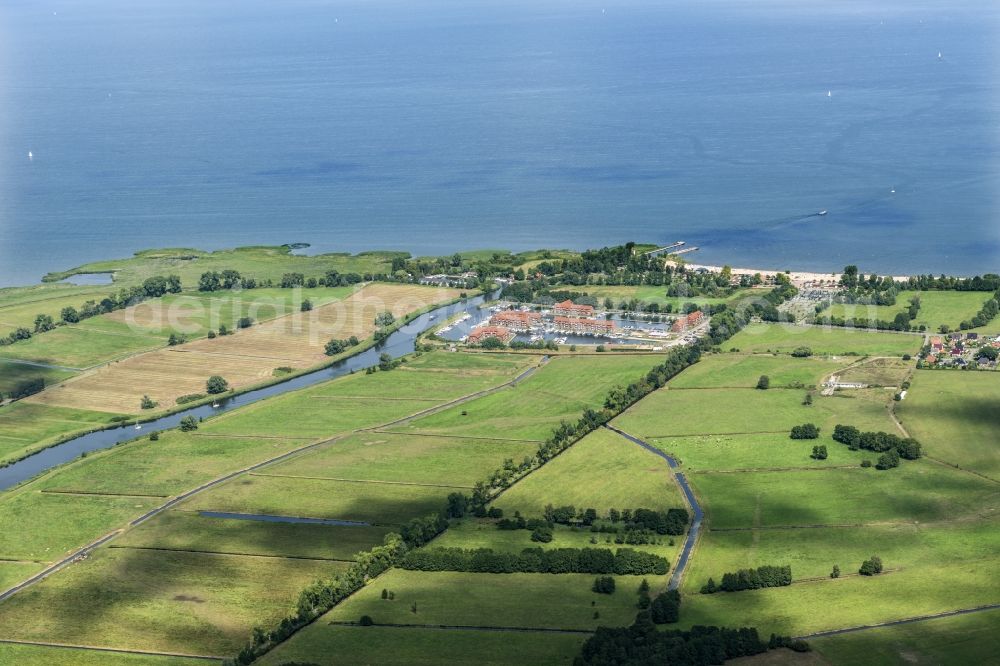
column 718, row 434
column 97, row 648
column 476, row 437
column 371, row 397
column 894, row 623
column 751, row 470
column 329, row 478
column 467, row 627
column 91, row 493
column 226, row 553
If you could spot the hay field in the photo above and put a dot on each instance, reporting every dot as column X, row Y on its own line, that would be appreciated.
column 244, row 358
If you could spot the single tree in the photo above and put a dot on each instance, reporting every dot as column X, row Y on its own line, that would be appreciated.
column 764, row 383
column 216, row 384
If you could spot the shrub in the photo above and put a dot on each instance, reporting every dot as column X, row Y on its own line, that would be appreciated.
column 836, row 571
column 216, row 385
column 866, row 463
column 147, row 402
column 542, row 535
column 175, row 340
column 244, row 322
column 154, row 436
column 366, row 620
column 805, row 431
column 819, row 452
column 306, row 305
column 871, row 567
column 802, row 352
column 188, row 423
column 190, row 397
column 211, row 334
column 764, row 383
column 27, row 387
column 888, row 460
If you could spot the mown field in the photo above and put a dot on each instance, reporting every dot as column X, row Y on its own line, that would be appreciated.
column 833, row 341
column 949, row 308
column 244, row 358
column 956, row 416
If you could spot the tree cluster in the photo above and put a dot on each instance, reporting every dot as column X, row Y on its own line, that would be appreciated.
column 334, row 347
column 805, row 431
column 623, row 561
column 892, row 446
column 642, row 644
column 751, row 579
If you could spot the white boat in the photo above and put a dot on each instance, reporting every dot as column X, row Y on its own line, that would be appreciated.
column 433, row 317
column 892, row 191
column 939, row 55
column 215, row 405
column 822, row 212
column 30, row 155
column 829, row 93
column 138, row 427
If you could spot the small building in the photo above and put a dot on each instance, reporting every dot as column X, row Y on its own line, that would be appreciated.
column 687, row 322
column 516, row 320
column 570, row 309
column 971, row 336
column 479, row 335
column 584, row 326
column 937, row 344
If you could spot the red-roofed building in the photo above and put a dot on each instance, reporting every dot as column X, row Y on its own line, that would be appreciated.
column 502, row 334
column 936, row 344
column 571, row 309
column 690, row 321
column 584, row 326
column 516, row 320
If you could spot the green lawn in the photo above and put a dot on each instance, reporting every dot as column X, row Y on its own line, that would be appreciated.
column 326, row 645
column 561, row 601
column 936, row 308
column 409, row 459
column 742, row 371
column 26, row 427
column 956, row 417
column 183, row 530
column 670, row 412
column 82, row 347
column 164, row 601
column 915, row 491
column 835, row 341
column 20, row 305
column 560, row 390
column 948, row 641
column 13, row 572
column 379, row 503
column 602, row 471
column 39, row 655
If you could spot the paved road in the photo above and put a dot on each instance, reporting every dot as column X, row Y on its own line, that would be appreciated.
column 692, row 537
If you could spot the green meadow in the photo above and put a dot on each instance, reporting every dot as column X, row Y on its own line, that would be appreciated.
column 83, row 347
column 649, row 294
column 830, row 340
column 713, row 453
column 41, row 655
column 195, row 603
column 602, row 471
column 416, row 459
column 949, row 308
column 555, row 601
column 331, row 645
column 27, row 427
column 12, row 374
column 189, row 531
column 742, row 371
column 947, row 641
column 559, row 390
column 956, row 417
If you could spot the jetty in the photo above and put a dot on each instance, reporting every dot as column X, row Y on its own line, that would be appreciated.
column 665, row 249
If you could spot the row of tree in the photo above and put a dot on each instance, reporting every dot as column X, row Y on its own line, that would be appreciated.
column 878, row 442
column 751, row 579
column 232, row 279
column 623, row 561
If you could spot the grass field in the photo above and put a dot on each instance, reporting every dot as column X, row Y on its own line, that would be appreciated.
column 185, row 530
column 472, row 533
column 20, row 305
column 878, row 372
column 83, row 346
column 915, row 491
column 950, row 308
column 670, row 412
column 379, row 456
column 949, row 641
column 331, row 645
column 11, row 374
column 602, row 471
column 558, row 601
column 25, row 427
column 560, row 390
column 955, row 416
column 784, row 338
column 38, row 655
column 247, row 357
column 378, row 503
column 167, row 601
column 176, row 462
column 700, row 453
column 742, row 371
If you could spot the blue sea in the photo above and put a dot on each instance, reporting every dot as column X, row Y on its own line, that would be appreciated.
column 438, row 125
